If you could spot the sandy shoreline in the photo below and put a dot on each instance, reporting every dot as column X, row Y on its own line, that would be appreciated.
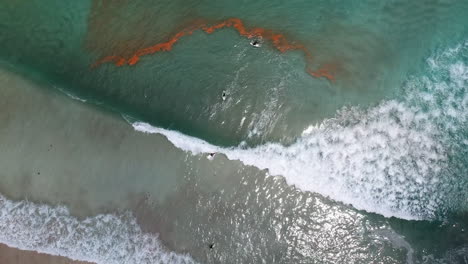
column 15, row 256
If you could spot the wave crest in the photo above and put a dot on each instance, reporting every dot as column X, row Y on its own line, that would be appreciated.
column 392, row 159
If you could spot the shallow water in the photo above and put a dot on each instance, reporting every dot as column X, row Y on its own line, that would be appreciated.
column 370, row 167
column 248, row 217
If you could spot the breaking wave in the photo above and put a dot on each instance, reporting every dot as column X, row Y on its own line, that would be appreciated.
column 392, row 159
column 103, row 238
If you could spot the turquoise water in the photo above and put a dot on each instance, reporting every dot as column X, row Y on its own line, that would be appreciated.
column 375, row 45
column 367, row 168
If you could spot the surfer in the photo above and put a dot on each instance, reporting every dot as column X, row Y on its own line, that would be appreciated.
column 256, row 43
column 224, row 96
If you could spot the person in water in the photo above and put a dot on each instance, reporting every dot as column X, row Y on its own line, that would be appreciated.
column 210, row 156
column 256, row 43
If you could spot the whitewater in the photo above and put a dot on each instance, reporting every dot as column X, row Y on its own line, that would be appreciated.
column 391, row 159
column 102, row 239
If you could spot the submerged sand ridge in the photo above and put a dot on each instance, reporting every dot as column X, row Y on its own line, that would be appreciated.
column 182, row 199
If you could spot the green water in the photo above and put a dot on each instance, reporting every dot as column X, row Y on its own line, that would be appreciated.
column 83, row 155
column 375, row 44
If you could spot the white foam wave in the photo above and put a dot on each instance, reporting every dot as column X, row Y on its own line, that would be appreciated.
column 186, row 143
column 387, row 159
column 69, row 94
column 101, row 239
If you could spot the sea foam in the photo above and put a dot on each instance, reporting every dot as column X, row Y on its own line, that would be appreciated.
column 390, row 159
column 103, row 238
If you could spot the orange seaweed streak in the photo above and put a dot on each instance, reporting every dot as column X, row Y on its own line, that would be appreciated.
column 279, row 41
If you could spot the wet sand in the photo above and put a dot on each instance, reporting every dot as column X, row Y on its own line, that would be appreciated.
column 15, row 256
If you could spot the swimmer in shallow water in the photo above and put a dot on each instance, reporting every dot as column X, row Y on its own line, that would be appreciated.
column 210, row 156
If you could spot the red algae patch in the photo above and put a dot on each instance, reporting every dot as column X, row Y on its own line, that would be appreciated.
column 278, row 41
column 326, row 71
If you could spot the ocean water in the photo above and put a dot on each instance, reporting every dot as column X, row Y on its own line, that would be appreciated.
column 372, row 46
column 342, row 139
